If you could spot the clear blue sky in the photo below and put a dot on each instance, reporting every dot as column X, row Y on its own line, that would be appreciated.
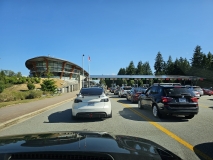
column 111, row 32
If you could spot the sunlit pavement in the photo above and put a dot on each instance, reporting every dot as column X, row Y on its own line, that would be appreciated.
column 189, row 139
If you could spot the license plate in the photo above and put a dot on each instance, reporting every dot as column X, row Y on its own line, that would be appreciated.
column 182, row 99
column 90, row 103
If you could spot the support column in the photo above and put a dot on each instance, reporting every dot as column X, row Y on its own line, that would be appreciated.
column 35, row 68
column 62, row 71
column 47, row 68
column 73, row 67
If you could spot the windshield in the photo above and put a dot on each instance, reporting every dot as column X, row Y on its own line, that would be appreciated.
column 127, row 88
column 91, row 91
column 103, row 65
column 177, row 91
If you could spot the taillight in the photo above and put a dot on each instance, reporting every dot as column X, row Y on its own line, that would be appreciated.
column 194, row 99
column 166, row 99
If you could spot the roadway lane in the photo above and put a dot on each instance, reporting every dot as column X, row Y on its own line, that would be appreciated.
column 197, row 131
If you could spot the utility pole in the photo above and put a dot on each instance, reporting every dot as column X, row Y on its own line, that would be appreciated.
column 83, row 70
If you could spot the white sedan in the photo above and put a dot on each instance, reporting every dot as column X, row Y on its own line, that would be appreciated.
column 92, row 103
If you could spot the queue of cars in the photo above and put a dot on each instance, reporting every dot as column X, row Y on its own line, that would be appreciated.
column 163, row 99
column 166, row 99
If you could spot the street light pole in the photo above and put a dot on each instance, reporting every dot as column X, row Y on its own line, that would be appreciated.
column 83, row 70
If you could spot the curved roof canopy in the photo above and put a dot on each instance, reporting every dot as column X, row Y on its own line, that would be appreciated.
column 29, row 62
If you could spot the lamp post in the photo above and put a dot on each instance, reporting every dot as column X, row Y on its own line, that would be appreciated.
column 83, row 70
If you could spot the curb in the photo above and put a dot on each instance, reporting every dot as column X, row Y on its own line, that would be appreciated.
column 32, row 114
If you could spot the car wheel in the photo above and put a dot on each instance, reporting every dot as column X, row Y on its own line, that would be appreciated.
column 74, row 117
column 156, row 112
column 189, row 117
column 132, row 100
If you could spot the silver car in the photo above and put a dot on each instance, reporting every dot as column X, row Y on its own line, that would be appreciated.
column 198, row 89
column 123, row 91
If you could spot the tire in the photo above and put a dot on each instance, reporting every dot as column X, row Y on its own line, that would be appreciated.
column 132, row 100
column 189, row 117
column 155, row 112
column 74, row 117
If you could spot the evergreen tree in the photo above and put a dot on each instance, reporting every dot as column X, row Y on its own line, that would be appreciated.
column 197, row 57
column 139, row 69
column 159, row 64
column 209, row 61
column 176, row 70
column 122, row 71
column 130, row 69
column 169, row 69
column 147, row 69
column 204, row 62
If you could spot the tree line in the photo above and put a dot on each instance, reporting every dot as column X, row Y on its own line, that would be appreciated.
column 200, row 65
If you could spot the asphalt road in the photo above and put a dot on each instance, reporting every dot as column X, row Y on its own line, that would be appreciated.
column 189, row 139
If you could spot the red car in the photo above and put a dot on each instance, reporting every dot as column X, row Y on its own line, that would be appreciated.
column 207, row 92
column 134, row 93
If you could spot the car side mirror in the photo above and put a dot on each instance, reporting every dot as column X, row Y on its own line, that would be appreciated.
column 77, row 95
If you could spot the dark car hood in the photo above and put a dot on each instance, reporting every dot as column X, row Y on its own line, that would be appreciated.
column 114, row 146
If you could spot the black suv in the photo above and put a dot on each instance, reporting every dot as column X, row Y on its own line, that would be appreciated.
column 170, row 100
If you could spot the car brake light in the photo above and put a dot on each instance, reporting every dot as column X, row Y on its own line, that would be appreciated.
column 166, row 99
column 194, row 99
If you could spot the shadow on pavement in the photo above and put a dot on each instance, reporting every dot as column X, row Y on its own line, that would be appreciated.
column 211, row 107
column 204, row 150
column 210, row 99
column 146, row 113
column 66, row 117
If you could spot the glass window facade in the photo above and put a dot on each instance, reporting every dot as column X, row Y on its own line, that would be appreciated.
column 68, row 68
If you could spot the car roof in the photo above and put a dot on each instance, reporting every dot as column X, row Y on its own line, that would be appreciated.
column 168, row 86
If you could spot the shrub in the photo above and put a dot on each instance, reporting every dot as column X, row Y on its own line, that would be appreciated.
column 30, row 86
column 48, row 85
column 34, row 94
column 37, row 80
column 32, row 80
column 1, row 88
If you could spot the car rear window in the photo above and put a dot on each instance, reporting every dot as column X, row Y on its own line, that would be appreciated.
column 196, row 88
column 127, row 88
column 177, row 91
column 91, row 91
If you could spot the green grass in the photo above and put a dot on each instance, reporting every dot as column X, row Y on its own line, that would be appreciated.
column 10, row 103
column 8, row 98
column 5, row 104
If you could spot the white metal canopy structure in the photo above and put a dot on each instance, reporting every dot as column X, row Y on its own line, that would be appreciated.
column 144, row 77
